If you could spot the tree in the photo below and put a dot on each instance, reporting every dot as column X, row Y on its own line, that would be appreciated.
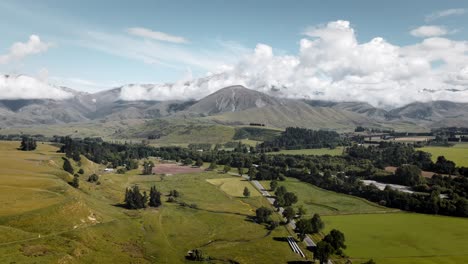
column 301, row 211
column 187, row 161
column 213, row 165
column 273, row 185
column 81, row 171
column 148, row 167
column 280, row 191
column 336, row 239
column 322, row 251
column 289, row 199
column 252, row 173
column 198, row 163
column 289, row 213
column 93, row 178
column 262, row 214
column 409, row 175
column 174, row 193
column 316, row 224
column 134, row 199
column 246, row 192
column 76, row 181
column 155, row 197
column 67, row 166
column 226, row 168
column 240, row 170
column 303, row 227
column 197, row 255
column 27, row 144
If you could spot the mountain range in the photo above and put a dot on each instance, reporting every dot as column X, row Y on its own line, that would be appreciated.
column 233, row 105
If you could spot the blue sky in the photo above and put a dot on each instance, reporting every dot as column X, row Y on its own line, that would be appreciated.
column 90, row 44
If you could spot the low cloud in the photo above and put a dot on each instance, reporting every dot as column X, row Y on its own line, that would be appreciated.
column 25, row 87
column 445, row 13
column 19, row 50
column 429, row 31
column 156, row 35
column 332, row 65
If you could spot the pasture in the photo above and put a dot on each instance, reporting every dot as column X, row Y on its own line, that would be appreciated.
column 403, row 237
column 234, row 186
column 45, row 220
column 319, row 152
column 457, row 153
column 323, row 202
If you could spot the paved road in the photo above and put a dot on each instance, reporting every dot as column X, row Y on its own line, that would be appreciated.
column 307, row 240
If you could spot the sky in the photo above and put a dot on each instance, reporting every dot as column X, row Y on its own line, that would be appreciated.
column 387, row 53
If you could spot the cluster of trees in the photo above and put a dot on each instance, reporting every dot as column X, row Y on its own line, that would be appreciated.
column 396, row 154
column 134, row 199
column 27, row 144
column 148, row 167
column 284, row 198
column 332, row 243
column 302, row 138
column 336, row 173
column 309, row 226
column 262, row 215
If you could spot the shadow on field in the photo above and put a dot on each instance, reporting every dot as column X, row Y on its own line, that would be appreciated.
column 299, row 262
column 282, row 239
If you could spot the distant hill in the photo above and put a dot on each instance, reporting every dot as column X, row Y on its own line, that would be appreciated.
column 233, row 105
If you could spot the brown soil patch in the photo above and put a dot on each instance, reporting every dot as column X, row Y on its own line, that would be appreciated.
column 425, row 174
column 34, row 250
column 170, row 168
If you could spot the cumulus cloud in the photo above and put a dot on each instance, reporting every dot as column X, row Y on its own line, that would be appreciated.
column 429, row 31
column 156, row 35
column 445, row 13
column 25, row 87
column 19, row 50
column 332, row 65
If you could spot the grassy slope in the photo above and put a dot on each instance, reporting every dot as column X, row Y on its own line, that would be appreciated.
column 323, row 151
column 457, row 153
column 47, row 221
column 403, row 237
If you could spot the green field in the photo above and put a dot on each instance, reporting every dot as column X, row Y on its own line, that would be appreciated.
column 403, row 237
column 457, row 153
column 319, row 152
column 323, row 202
column 234, row 186
column 44, row 220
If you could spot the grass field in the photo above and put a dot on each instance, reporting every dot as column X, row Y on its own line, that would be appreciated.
column 234, row 186
column 323, row 202
column 403, row 237
column 323, row 151
column 457, row 153
column 44, row 220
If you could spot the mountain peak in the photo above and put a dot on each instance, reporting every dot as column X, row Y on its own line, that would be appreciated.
column 232, row 99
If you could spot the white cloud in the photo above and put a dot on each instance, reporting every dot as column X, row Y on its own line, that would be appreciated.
column 445, row 13
column 164, row 54
column 332, row 65
column 429, row 31
column 25, row 87
column 156, row 35
column 20, row 50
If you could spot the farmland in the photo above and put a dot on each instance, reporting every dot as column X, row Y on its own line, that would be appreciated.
column 457, row 153
column 403, row 237
column 45, row 220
